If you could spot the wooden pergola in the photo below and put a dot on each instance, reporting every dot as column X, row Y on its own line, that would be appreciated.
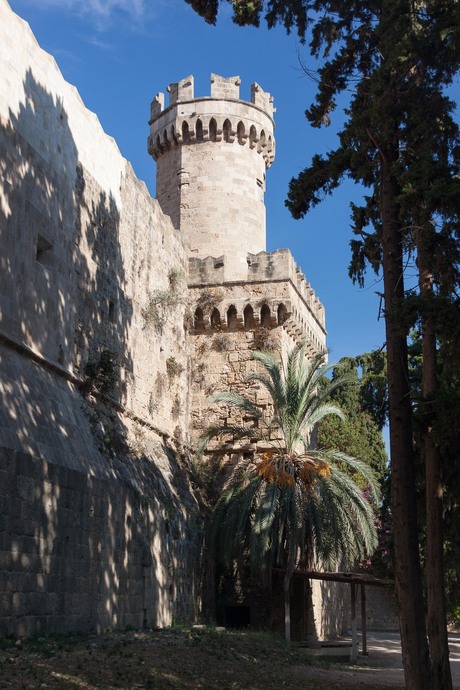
column 355, row 580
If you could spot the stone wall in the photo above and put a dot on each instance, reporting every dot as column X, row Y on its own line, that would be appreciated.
column 272, row 309
column 79, row 552
column 86, row 255
column 100, row 525
column 212, row 154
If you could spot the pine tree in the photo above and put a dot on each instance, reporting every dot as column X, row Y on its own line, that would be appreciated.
column 395, row 58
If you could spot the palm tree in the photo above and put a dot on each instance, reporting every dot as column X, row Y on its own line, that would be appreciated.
column 293, row 505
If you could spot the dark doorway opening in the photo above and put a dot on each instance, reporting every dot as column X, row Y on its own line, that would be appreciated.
column 237, row 616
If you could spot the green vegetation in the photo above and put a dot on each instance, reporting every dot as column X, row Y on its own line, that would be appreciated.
column 173, row 367
column 100, row 375
column 293, row 505
column 391, row 63
column 358, row 434
column 161, row 301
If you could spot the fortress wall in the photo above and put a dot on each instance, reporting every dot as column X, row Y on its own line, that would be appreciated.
column 99, row 381
column 273, row 279
column 79, row 552
column 226, row 336
column 86, row 264
column 83, row 244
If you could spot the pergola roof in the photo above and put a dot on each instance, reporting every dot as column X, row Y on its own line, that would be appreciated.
column 352, row 579
column 356, row 578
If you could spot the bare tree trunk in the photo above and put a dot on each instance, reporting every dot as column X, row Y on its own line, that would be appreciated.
column 415, row 652
column 287, row 606
column 437, row 620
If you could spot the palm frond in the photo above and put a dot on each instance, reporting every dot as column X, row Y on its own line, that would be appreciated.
column 262, row 529
column 235, row 431
column 294, row 506
column 238, row 401
column 354, row 465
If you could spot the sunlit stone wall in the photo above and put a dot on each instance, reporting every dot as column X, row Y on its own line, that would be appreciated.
column 96, row 505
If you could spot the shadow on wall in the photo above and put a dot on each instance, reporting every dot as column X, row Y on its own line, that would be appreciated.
column 103, row 311
column 85, row 553
column 62, row 267
column 94, row 535
column 336, row 603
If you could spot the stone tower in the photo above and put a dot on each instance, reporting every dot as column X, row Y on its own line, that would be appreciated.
column 212, row 154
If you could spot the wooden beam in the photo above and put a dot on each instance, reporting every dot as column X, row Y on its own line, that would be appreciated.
column 363, row 620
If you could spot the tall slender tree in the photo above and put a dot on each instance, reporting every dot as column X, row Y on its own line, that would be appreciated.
column 395, row 58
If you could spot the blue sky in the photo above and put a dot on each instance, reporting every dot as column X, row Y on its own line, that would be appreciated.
column 120, row 53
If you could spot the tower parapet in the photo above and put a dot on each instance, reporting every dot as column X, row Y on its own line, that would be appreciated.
column 273, row 280
column 212, row 154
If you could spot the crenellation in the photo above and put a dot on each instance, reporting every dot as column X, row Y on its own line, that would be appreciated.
column 182, row 90
column 121, row 314
column 225, row 87
column 262, row 99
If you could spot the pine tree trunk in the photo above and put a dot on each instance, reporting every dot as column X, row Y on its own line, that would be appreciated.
column 416, row 659
column 437, row 620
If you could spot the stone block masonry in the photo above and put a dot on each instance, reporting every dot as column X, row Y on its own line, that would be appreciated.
column 100, row 527
column 79, row 552
column 212, row 154
column 115, row 325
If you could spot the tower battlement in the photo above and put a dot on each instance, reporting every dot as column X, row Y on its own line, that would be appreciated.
column 212, row 154
column 273, row 279
column 220, row 117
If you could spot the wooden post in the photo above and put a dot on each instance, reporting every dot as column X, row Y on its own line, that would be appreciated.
column 363, row 619
column 354, row 630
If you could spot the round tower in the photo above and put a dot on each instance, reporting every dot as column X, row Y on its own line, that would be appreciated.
column 212, row 154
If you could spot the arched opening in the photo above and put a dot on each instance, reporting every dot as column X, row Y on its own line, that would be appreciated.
column 252, row 136
column 215, row 320
column 282, row 314
column 265, row 317
column 240, row 132
column 248, row 315
column 212, row 130
column 185, row 133
column 232, row 318
column 166, row 141
column 172, row 132
column 198, row 321
column 158, row 144
column 261, row 142
column 226, row 131
column 199, row 130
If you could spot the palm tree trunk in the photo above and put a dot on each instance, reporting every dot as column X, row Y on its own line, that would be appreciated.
column 416, row 659
column 437, row 620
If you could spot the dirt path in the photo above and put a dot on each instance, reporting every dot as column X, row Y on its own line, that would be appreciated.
column 192, row 660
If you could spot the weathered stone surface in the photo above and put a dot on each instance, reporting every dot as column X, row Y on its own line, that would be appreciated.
column 119, row 316
column 97, row 514
column 212, row 154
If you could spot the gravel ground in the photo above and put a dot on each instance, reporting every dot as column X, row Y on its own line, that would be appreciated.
column 192, row 659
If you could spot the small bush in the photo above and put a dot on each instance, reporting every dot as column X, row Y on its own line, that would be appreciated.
column 160, row 301
column 100, row 376
column 173, row 367
column 222, row 342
